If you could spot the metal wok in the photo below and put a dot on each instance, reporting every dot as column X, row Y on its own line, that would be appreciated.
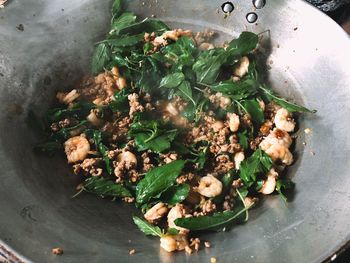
column 309, row 61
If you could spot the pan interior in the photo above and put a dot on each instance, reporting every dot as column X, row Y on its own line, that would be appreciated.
column 53, row 52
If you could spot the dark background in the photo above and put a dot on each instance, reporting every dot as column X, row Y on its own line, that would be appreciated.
column 339, row 10
column 344, row 257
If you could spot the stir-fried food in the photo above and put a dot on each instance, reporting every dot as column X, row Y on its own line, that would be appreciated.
column 184, row 129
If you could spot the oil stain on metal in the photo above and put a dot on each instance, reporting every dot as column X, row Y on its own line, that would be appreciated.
column 27, row 213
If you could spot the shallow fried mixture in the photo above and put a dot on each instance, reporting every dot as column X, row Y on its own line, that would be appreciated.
column 184, row 129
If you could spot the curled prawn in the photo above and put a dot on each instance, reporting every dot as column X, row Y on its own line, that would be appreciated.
column 77, row 148
column 284, row 120
column 280, row 152
column 176, row 212
column 209, row 186
column 172, row 243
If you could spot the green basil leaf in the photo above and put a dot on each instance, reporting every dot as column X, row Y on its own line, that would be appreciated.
column 151, row 74
column 180, row 148
column 185, row 92
column 100, row 58
column 147, row 228
column 173, row 231
column 258, row 163
column 150, row 135
column 125, row 41
column 80, row 110
column 65, row 133
column 255, row 111
column 208, row 65
column 244, row 191
column 218, row 221
column 236, row 90
column 180, row 54
column 117, row 8
column 202, row 158
column 145, row 26
column 190, row 75
column 158, row 180
column 147, row 47
column 199, row 154
column 185, row 45
column 291, row 107
column 243, row 139
column 189, row 112
column 193, row 111
column 172, row 80
column 158, row 144
column 175, row 194
column 97, row 137
column 124, row 20
column 121, row 61
column 283, row 187
column 245, row 43
column 103, row 187
column 120, row 102
column 159, row 57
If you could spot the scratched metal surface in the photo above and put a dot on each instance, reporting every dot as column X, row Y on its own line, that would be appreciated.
column 310, row 63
